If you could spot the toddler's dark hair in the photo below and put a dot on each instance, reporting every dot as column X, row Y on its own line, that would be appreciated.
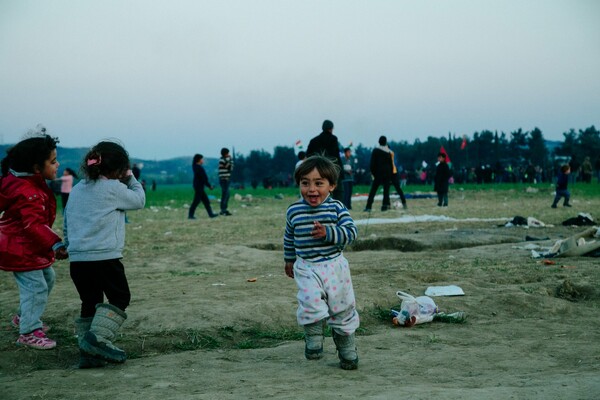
column 28, row 153
column 327, row 169
column 565, row 167
column 224, row 151
column 107, row 159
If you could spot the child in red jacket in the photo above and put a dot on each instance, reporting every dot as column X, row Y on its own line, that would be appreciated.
column 28, row 245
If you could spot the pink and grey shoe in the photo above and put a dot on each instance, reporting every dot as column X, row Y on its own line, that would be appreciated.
column 37, row 340
column 16, row 320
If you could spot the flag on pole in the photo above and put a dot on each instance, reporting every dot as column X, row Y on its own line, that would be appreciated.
column 443, row 151
column 298, row 146
column 464, row 142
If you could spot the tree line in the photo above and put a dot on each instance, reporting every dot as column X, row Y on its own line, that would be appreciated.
column 485, row 156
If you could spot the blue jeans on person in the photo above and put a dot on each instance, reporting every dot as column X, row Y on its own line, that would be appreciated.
column 348, row 185
column 224, row 194
column 34, row 289
column 561, row 193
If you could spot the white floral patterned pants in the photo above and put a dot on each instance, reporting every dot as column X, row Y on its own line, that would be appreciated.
column 325, row 292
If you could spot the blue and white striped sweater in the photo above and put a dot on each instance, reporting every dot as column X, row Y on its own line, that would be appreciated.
column 300, row 218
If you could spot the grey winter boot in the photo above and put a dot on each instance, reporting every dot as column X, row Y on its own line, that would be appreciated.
column 97, row 342
column 85, row 361
column 346, row 348
column 313, row 338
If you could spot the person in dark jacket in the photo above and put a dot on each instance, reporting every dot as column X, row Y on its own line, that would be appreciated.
column 381, row 169
column 326, row 144
column 561, row 187
column 442, row 175
column 200, row 181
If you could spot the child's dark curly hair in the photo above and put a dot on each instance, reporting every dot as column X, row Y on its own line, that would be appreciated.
column 327, row 169
column 108, row 159
column 29, row 153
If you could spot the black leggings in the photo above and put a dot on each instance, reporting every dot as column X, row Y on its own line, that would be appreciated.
column 94, row 279
column 200, row 196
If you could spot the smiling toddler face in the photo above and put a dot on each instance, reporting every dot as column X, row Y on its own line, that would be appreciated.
column 314, row 188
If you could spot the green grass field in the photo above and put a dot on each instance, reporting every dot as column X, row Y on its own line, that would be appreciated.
column 182, row 194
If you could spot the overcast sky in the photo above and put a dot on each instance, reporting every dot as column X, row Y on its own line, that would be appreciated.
column 176, row 77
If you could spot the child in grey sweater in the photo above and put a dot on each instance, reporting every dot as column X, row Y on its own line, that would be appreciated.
column 94, row 229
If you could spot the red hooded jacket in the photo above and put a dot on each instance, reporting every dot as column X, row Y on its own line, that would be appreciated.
column 26, row 235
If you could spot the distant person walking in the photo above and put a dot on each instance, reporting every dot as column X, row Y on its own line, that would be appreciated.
column 562, row 184
column 225, row 168
column 200, row 181
column 441, row 180
column 381, row 169
column 326, row 144
column 66, row 185
column 396, row 181
column 587, row 170
column 574, row 166
column 348, row 177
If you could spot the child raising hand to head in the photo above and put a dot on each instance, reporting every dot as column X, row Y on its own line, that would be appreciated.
column 317, row 230
column 28, row 245
column 94, row 229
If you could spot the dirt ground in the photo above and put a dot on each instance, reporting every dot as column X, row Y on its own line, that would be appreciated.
column 199, row 329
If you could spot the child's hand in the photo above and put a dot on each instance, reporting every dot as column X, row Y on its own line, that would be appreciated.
column 61, row 253
column 318, row 231
column 126, row 176
column 289, row 269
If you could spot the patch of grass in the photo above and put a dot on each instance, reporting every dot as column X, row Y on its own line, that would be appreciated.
column 528, row 289
column 225, row 337
column 382, row 313
column 433, row 339
column 573, row 292
column 258, row 337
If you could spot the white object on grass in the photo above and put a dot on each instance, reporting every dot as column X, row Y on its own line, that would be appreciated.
column 450, row 290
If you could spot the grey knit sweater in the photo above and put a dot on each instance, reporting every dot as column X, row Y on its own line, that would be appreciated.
column 94, row 220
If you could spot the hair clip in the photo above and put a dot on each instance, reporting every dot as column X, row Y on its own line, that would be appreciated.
column 94, row 161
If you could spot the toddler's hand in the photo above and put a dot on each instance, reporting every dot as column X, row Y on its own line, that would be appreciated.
column 289, row 269
column 126, row 176
column 318, row 231
column 61, row 253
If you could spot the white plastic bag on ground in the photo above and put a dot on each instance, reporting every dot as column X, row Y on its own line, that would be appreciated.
column 414, row 310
